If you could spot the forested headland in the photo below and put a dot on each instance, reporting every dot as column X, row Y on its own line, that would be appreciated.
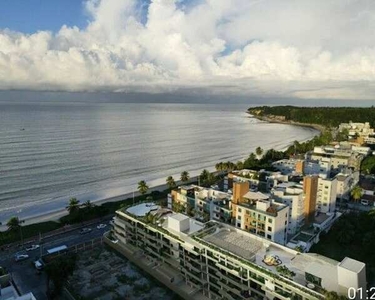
column 323, row 116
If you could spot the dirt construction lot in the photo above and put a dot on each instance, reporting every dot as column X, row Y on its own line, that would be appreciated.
column 103, row 274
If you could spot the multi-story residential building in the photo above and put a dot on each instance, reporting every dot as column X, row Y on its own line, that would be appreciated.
column 310, row 188
column 219, row 261
column 251, row 176
column 204, row 203
column 326, row 196
column 360, row 129
column 345, row 183
column 286, row 166
column 292, row 195
column 258, row 180
column 256, row 213
column 321, row 167
column 339, row 158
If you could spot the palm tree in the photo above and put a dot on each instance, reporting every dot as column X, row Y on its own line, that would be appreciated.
column 73, row 205
column 185, row 176
column 356, row 193
column 142, row 187
column 204, row 175
column 13, row 224
column 219, row 166
column 259, row 151
column 170, row 182
column 88, row 205
column 239, row 165
column 333, row 296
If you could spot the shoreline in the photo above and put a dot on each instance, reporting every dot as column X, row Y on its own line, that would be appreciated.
column 55, row 215
column 318, row 127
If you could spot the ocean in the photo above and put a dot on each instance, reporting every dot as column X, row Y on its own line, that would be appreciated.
column 52, row 151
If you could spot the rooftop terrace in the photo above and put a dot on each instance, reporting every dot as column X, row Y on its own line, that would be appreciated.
column 260, row 251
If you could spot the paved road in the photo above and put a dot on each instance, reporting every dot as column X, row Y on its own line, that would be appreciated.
column 24, row 273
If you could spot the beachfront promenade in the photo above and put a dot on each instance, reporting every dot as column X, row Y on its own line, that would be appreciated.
column 56, row 215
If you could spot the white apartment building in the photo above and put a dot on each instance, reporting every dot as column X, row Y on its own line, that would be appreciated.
column 361, row 129
column 291, row 195
column 326, row 196
column 285, row 166
column 339, row 158
column 345, row 183
column 321, row 167
column 216, row 260
column 251, row 176
column 263, row 217
column 206, row 203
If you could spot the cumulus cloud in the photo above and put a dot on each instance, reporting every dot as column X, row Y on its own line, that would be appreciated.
column 306, row 49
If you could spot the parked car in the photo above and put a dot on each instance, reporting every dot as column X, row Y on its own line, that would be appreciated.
column 20, row 257
column 85, row 230
column 32, row 247
column 101, row 226
column 365, row 202
column 39, row 264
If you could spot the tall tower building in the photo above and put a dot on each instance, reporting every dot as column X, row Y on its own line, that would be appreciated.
column 310, row 189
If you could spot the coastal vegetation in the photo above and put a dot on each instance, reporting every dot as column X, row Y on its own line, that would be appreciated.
column 170, row 182
column 324, row 116
column 83, row 213
column 352, row 235
column 58, row 272
column 73, row 206
column 13, row 224
column 368, row 165
column 356, row 193
column 185, row 176
column 206, row 178
column 142, row 187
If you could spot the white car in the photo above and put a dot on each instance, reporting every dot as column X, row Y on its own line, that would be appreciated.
column 32, row 247
column 20, row 257
column 101, row 226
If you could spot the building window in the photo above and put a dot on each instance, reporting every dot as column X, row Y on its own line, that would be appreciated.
column 238, row 224
column 269, row 220
column 239, row 210
column 286, row 222
column 269, row 228
column 269, row 236
column 239, row 217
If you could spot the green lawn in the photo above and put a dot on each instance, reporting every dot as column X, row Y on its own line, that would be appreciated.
column 105, row 209
column 28, row 231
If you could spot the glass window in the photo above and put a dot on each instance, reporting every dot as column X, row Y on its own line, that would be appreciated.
column 269, row 220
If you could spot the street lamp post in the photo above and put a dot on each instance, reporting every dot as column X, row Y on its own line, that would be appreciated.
column 20, row 222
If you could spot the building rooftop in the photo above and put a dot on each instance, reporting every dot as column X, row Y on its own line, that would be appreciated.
column 341, row 177
column 352, row 265
column 258, row 250
column 321, row 218
column 178, row 217
column 243, row 246
column 255, row 196
column 143, row 209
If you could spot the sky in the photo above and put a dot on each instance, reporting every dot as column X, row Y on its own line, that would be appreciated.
column 267, row 48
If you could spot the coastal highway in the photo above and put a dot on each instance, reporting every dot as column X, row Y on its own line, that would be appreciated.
column 24, row 273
